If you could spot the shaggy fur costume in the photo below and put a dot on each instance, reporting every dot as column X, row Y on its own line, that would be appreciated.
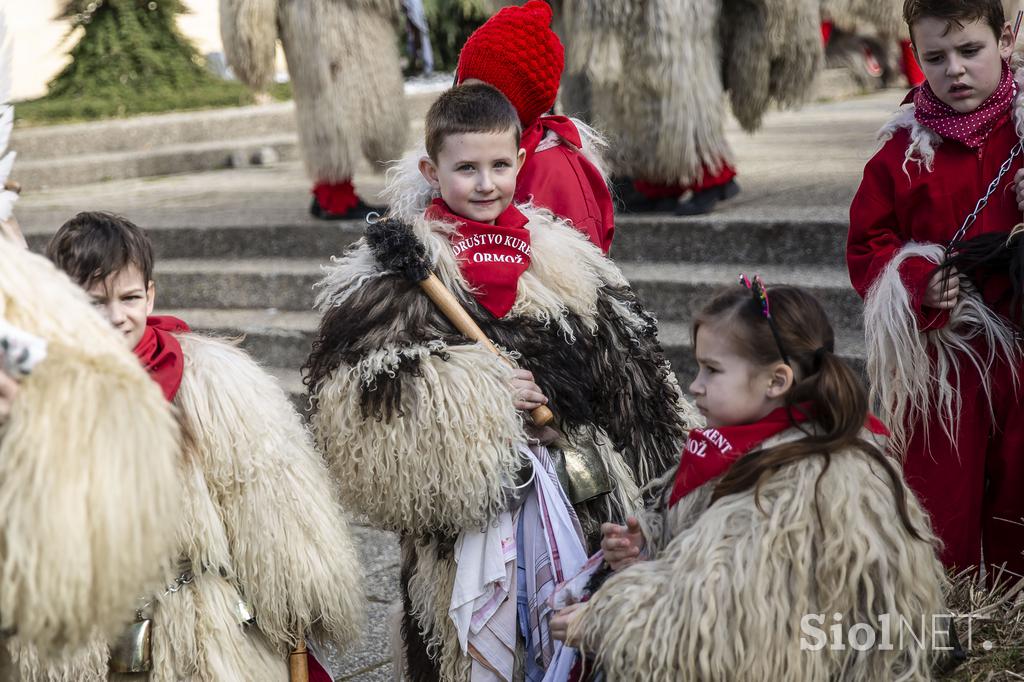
column 90, row 479
column 343, row 60
column 724, row 594
column 419, row 424
column 659, row 72
column 260, row 523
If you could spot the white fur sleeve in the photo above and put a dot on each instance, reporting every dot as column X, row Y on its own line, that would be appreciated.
column 443, row 461
column 248, row 29
column 289, row 538
column 90, row 487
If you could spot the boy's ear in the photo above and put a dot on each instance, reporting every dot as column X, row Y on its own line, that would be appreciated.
column 150, row 297
column 520, row 160
column 780, row 380
column 428, row 169
column 1006, row 41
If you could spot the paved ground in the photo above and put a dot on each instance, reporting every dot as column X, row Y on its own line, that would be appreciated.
column 802, row 166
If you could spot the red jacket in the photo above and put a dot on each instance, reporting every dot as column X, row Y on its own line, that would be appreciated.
column 562, row 180
column 891, row 209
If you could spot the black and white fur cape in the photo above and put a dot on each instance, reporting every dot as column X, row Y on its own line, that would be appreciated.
column 419, row 424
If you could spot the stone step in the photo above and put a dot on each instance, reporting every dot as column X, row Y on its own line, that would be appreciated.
column 165, row 144
column 146, row 133
column 150, row 132
column 164, row 160
column 672, row 291
column 281, row 340
column 789, row 238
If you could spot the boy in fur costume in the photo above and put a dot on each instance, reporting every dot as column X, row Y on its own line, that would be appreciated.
column 343, row 61
column 90, row 480
column 942, row 360
column 658, row 72
column 517, row 52
column 421, row 425
column 265, row 552
column 783, row 519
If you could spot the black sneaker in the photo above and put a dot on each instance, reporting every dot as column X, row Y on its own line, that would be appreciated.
column 704, row 201
column 357, row 212
column 630, row 200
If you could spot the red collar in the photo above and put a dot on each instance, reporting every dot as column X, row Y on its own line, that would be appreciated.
column 492, row 258
column 562, row 126
column 711, row 452
column 160, row 353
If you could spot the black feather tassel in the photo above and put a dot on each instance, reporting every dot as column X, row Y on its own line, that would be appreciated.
column 397, row 249
column 989, row 258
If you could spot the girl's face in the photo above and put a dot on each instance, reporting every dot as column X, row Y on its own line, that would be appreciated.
column 729, row 389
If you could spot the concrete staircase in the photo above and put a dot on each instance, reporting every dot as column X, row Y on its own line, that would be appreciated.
column 257, row 282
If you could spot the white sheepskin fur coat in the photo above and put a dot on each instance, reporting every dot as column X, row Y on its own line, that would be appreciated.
column 418, row 422
column 90, row 476
column 260, row 523
column 727, row 586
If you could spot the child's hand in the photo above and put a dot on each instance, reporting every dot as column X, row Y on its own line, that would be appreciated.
column 8, row 390
column 562, row 620
column 527, row 393
column 943, row 289
column 622, row 544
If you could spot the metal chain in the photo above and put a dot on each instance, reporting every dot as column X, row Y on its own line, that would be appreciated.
column 186, row 577
column 983, row 202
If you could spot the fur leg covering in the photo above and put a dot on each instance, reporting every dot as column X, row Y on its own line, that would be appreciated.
column 779, row 63
column 289, row 541
column 910, row 372
column 666, row 108
column 443, row 459
column 248, row 29
column 433, row 652
column 881, row 17
column 699, row 610
column 348, row 86
column 90, row 481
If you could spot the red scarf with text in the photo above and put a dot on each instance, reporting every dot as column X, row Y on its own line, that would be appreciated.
column 971, row 128
column 560, row 125
column 160, row 353
column 492, row 258
column 710, row 452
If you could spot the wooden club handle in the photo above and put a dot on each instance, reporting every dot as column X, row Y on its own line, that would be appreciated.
column 457, row 315
column 298, row 662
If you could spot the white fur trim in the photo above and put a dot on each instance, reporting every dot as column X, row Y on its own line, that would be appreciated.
column 905, row 383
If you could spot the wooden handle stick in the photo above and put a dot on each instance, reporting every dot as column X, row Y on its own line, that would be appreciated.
column 298, row 661
column 457, row 315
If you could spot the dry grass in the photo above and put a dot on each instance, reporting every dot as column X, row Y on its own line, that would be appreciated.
column 990, row 625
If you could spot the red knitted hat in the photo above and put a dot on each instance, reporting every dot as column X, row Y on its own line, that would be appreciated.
column 517, row 52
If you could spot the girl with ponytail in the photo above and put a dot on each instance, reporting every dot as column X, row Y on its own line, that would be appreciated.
column 784, row 519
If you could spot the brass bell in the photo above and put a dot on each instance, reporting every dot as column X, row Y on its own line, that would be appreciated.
column 133, row 650
column 586, row 472
column 245, row 613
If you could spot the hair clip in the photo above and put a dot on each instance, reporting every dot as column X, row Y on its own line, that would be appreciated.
column 759, row 291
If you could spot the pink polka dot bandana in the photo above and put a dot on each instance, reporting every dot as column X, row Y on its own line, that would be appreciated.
column 971, row 128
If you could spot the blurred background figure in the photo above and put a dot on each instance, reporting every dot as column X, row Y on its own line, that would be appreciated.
column 417, row 39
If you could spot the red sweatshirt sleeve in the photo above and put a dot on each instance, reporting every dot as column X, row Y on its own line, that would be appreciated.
column 875, row 237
